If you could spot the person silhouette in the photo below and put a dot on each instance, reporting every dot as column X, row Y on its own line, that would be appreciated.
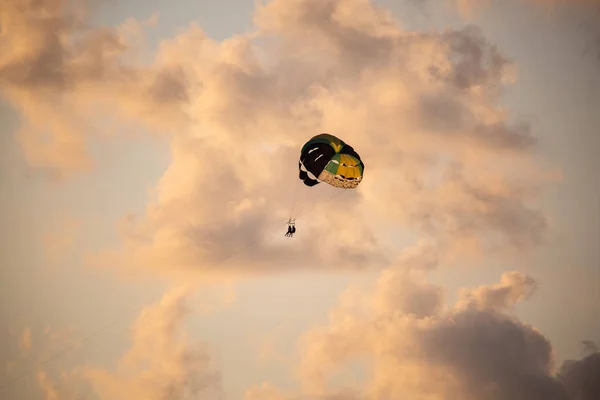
column 291, row 229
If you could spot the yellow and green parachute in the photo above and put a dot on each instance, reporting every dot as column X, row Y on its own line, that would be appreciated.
column 326, row 158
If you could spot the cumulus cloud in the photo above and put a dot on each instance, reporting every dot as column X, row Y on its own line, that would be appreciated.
column 443, row 158
column 63, row 388
column 162, row 362
column 59, row 72
column 38, row 348
column 267, row 391
column 408, row 293
column 410, row 348
column 513, row 288
column 48, row 388
column 580, row 377
column 41, row 345
column 264, row 392
column 590, row 346
column 474, row 352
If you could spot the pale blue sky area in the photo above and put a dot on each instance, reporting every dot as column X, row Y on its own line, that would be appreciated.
column 557, row 85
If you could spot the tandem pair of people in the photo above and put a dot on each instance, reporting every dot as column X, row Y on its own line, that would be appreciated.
column 291, row 229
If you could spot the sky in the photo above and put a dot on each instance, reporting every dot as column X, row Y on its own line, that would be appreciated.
column 149, row 166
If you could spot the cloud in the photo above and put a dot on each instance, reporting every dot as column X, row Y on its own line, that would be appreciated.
column 419, row 349
column 264, row 392
column 38, row 348
column 580, row 377
column 401, row 290
column 513, row 288
column 590, row 346
column 162, row 363
column 60, row 73
column 48, row 388
column 40, row 345
column 267, row 391
column 443, row 158
column 425, row 116
column 473, row 352
column 65, row 387
column 474, row 349
column 25, row 340
column 445, row 162
column 423, row 255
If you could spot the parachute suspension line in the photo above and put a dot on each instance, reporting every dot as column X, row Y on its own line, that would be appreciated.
column 302, row 203
column 294, row 198
column 310, row 209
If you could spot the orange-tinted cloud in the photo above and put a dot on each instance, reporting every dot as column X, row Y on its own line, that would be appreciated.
column 37, row 348
column 61, row 74
column 264, row 392
column 423, row 350
column 580, row 377
column 162, row 363
column 443, row 159
column 473, row 352
column 511, row 290
column 65, row 387
column 49, row 389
